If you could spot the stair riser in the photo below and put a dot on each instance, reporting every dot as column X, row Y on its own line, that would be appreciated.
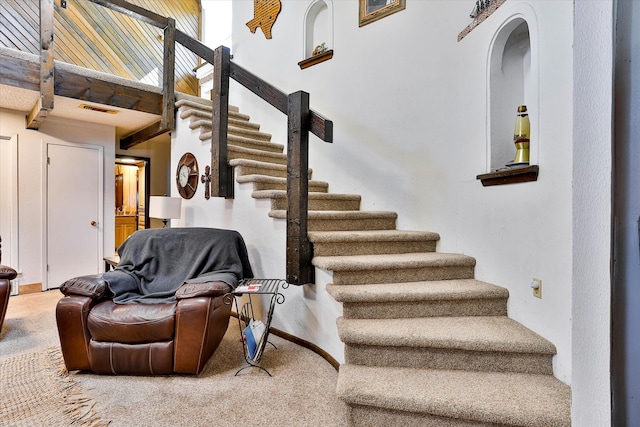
column 368, row 416
column 316, row 224
column 320, row 205
column 194, row 114
column 361, row 277
column 372, row 248
column 449, row 359
column 246, row 143
column 246, row 133
column 254, row 144
column 205, row 123
column 316, row 188
column 416, row 309
column 238, row 131
column 271, row 150
column 257, row 157
column 256, row 170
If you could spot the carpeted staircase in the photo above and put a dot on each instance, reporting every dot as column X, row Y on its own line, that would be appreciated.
column 425, row 343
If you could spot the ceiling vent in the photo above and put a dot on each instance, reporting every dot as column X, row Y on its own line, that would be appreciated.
column 98, row 109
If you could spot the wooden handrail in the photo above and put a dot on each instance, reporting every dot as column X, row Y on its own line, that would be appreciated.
column 319, row 126
column 133, row 11
column 299, row 249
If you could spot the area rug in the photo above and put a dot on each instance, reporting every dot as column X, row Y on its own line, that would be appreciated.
column 36, row 390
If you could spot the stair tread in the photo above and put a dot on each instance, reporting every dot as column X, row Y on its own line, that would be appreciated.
column 282, row 194
column 371, row 236
column 487, row 397
column 274, row 179
column 392, row 261
column 202, row 104
column 249, row 134
column 472, row 333
column 262, row 153
column 282, row 214
column 266, row 145
column 432, row 290
column 233, row 123
column 256, row 163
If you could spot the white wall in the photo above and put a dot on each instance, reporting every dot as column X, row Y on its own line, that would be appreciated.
column 30, row 178
column 409, row 105
column 592, row 121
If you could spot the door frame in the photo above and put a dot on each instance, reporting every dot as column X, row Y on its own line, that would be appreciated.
column 45, row 207
column 13, row 248
column 147, row 180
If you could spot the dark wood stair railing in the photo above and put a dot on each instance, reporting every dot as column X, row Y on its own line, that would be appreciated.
column 301, row 121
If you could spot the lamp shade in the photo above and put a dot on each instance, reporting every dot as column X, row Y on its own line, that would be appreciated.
column 164, row 207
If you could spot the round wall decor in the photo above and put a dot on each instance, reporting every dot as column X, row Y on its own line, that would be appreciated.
column 187, row 175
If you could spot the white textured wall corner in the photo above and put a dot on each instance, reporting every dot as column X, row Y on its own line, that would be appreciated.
column 409, row 104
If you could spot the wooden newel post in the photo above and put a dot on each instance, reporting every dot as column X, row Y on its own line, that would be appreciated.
column 299, row 251
column 221, row 172
column 44, row 105
column 168, row 120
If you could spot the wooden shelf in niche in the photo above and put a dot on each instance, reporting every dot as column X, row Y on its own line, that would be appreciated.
column 510, row 176
column 495, row 4
column 324, row 56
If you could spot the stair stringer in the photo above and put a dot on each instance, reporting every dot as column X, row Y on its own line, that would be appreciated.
column 520, row 371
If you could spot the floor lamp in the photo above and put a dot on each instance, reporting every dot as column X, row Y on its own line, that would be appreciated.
column 165, row 208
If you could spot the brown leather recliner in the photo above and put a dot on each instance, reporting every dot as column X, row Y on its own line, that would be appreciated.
column 7, row 274
column 108, row 330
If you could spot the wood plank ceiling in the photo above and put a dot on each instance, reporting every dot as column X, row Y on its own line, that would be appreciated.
column 92, row 36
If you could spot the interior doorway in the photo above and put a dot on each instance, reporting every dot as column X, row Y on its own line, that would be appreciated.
column 73, row 240
column 132, row 180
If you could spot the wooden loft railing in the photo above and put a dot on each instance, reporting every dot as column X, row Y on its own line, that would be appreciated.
column 301, row 120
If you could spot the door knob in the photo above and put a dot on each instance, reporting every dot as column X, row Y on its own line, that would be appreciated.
column 93, row 223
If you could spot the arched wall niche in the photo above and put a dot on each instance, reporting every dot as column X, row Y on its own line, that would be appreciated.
column 318, row 26
column 512, row 81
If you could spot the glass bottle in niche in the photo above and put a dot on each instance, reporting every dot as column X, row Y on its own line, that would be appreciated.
column 521, row 136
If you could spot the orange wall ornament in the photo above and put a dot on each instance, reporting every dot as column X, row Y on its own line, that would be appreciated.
column 265, row 13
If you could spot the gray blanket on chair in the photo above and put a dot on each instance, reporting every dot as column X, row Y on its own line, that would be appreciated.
column 154, row 263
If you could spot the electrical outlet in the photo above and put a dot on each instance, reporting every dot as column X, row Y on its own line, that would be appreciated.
column 536, row 285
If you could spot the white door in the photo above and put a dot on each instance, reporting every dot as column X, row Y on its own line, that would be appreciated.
column 74, row 206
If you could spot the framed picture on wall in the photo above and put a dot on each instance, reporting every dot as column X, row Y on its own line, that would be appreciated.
column 372, row 10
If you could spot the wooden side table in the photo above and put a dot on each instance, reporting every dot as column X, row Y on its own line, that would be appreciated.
column 111, row 262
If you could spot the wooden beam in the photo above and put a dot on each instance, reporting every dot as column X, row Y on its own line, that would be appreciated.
column 264, row 90
column 37, row 115
column 142, row 135
column 221, row 172
column 299, row 249
column 44, row 105
column 17, row 72
column 93, row 89
column 195, row 46
column 21, row 73
column 321, row 127
column 134, row 11
column 168, row 77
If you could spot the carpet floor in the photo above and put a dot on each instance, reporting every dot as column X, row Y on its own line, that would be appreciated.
column 301, row 392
